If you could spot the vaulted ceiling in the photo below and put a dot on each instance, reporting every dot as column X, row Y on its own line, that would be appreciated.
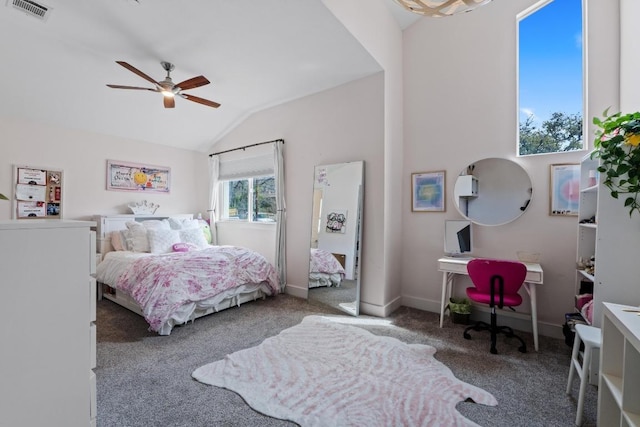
column 255, row 54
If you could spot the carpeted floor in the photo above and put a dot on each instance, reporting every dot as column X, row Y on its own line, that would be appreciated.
column 145, row 379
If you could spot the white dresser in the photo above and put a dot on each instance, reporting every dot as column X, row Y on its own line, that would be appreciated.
column 47, row 325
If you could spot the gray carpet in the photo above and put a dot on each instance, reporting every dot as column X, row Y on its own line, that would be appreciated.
column 145, row 379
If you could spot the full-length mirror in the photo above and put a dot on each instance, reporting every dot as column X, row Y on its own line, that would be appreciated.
column 492, row 191
column 336, row 230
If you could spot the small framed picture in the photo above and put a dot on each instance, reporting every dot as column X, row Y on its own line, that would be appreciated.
column 564, row 189
column 427, row 191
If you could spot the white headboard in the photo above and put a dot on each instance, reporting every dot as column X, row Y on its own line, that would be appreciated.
column 108, row 223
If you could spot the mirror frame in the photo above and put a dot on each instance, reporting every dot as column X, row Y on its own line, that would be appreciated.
column 322, row 179
column 506, row 199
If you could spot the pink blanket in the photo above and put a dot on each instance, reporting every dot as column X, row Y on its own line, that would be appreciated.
column 162, row 284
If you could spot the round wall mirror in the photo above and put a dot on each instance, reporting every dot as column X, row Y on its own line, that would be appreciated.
column 492, row 191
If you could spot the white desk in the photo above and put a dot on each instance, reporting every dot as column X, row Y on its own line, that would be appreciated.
column 450, row 267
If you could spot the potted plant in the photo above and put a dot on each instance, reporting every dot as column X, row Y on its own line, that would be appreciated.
column 460, row 309
column 3, row 197
column 617, row 146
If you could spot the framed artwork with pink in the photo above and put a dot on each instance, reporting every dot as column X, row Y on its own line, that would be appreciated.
column 564, row 189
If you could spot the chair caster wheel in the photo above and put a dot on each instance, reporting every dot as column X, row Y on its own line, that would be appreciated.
column 494, row 351
column 522, row 349
column 466, row 336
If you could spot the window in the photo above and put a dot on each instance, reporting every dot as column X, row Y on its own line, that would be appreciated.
column 251, row 199
column 550, row 78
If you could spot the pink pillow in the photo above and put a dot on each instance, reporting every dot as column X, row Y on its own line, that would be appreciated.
column 116, row 241
column 183, row 247
column 180, row 247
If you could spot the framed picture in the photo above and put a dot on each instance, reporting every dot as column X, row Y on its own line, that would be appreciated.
column 123, row 176
column 37, row 192
column 564, row 190
column 427, row 191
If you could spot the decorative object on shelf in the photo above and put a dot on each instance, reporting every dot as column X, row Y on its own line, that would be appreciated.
column 143, row 208
column 617, row 146
column 440, row 8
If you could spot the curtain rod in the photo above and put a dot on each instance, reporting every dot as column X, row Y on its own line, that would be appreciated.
column 246, row 146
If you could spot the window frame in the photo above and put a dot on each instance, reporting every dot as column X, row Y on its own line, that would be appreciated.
column 223, row 191
column 585, row 113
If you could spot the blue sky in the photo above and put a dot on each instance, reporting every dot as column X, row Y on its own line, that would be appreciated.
column 551, row 60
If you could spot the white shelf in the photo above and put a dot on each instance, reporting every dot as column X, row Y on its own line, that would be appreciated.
column 586, row 275
column 588, row 225
column 618, row 402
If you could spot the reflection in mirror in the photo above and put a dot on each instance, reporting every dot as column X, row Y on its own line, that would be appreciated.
column 458, row 237
column 492, row 191
column 336, row 230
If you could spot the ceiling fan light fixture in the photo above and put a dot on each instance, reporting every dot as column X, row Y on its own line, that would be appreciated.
column 440, row 8
column 167, row 93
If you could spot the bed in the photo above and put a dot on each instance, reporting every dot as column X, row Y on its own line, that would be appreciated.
column 164, row 269
column 325, row 269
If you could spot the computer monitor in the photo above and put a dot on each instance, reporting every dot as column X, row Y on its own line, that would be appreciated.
column 458, row 237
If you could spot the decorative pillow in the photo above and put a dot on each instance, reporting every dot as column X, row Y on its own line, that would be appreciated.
column 162, row 241
column 138, row 240
column 184, row 247
column 156, row 224
column 194, row 236
column 124, row 239
column 116, row 241
column 181, row 224
column 206, row 230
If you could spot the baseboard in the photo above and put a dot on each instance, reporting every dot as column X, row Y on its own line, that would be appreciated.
column 296, row 291
column 380, row 310
column 515, row 320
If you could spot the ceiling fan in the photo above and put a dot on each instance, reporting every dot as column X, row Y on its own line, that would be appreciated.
column 167, row 88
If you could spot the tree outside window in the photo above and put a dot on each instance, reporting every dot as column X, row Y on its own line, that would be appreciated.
column 551, row 78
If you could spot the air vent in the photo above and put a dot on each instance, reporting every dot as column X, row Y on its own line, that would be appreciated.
column 32, row 8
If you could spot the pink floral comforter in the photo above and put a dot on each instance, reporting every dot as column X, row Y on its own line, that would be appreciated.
column 322, row 261
column 164, row 284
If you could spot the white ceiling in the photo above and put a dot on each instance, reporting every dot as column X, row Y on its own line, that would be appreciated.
column 256, row 54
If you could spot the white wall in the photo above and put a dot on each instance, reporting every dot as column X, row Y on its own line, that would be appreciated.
column 373, row 26
column 83, row 158
column 460, row 96
column 339, row 125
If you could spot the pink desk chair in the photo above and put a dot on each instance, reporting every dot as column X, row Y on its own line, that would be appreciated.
column 496, row 283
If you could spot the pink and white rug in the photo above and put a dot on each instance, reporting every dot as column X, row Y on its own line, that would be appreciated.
column 324, row 373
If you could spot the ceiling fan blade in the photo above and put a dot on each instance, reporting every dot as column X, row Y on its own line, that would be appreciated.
column 200, row 100
column 169, row 102
column 132, row 87
column 193, row 83
column 138, row 72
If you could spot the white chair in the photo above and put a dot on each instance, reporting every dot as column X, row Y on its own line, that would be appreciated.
column 592, row 339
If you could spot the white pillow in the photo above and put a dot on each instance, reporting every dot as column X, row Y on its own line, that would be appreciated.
column 162, row 241
column 137, row 240
column 156, row 224
column 181, row 224
column 194, row 236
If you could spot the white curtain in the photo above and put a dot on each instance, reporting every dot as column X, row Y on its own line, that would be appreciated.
column 214, row 170
column 281, row 215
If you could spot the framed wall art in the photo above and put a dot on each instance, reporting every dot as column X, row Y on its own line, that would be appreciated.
column 428, row 191
column 564, row 189
column 124, row 176
column 37, row 193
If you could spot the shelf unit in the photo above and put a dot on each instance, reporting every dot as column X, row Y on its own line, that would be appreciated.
column 618, row 403
column 587, row 231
